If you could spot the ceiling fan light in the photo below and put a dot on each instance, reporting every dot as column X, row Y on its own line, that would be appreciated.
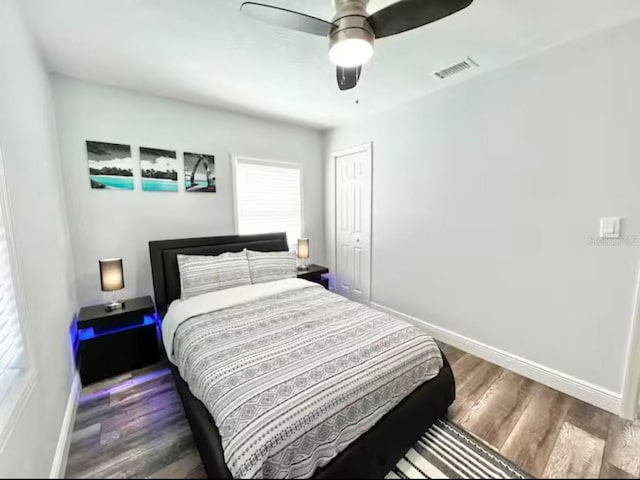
column 351, row 52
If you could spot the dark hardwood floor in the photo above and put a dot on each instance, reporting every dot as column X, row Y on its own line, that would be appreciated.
column 134, row 426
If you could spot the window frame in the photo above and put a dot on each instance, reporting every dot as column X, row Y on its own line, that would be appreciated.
column 269, row 163
column 22, row 386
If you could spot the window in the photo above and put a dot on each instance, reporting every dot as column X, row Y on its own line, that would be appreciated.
column 11, row 350
column 268, row 198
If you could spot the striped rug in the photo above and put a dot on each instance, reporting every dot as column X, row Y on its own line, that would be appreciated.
column 446, row 451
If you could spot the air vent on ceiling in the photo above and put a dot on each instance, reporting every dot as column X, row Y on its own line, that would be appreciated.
column 455, row 69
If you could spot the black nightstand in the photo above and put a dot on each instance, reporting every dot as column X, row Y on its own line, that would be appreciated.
column 115, row 342
column 314, row 274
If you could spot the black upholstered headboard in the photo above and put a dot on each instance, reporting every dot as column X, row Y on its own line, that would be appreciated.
column 164, row 264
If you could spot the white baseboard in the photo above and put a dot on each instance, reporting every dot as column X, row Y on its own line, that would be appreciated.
column 59, row 464
column 580, row 389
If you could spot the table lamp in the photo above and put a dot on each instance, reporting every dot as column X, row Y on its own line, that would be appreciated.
column 111, row 279
column 303, row 253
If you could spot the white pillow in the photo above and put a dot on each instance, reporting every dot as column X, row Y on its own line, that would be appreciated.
column 207, row 273
column 270, row 266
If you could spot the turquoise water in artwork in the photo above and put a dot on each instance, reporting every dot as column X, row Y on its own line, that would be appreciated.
column 201, row 183
column 159, row 185
column 113, row 182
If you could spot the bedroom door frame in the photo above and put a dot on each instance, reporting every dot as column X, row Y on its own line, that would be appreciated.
column 630, row 401
column 366, row 148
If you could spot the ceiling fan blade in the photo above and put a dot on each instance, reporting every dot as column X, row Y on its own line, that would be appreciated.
column 409, row 14
column 348, row 78
column 287, row 18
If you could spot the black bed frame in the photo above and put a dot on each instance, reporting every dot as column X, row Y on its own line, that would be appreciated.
column 373, row 454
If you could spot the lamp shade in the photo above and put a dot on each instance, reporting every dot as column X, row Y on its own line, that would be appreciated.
column 303, row 248
column 111, row 275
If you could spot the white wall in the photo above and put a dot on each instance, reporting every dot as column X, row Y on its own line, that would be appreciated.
column 485, row 196
column 121, row 223
column 28, row 142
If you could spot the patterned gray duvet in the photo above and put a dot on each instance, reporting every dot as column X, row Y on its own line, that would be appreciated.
column 293, row 378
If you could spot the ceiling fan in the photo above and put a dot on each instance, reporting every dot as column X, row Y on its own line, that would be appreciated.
column 353, row 31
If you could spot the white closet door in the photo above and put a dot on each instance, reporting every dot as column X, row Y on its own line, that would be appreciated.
column 353, row 223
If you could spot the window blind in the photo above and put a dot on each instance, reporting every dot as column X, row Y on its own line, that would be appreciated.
column 10, row 337
column 268, row 198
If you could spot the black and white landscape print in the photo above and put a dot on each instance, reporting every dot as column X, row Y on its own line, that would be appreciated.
column 159, row 170
column 199, row 172
column 110, row 166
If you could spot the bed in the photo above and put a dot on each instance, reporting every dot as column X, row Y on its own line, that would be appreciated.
column 371, row 453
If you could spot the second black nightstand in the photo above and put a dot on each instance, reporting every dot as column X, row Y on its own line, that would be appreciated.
column 315, row 274
column 118, row 341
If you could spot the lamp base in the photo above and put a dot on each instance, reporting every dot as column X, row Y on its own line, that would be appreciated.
column 110, row 307
column 303, row 268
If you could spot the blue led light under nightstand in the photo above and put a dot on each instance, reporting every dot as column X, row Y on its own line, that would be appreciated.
column 89, row 333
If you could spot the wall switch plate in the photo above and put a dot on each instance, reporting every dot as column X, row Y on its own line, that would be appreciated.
column 610, row 227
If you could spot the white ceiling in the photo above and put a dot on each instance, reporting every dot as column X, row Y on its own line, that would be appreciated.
column 205, row 51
